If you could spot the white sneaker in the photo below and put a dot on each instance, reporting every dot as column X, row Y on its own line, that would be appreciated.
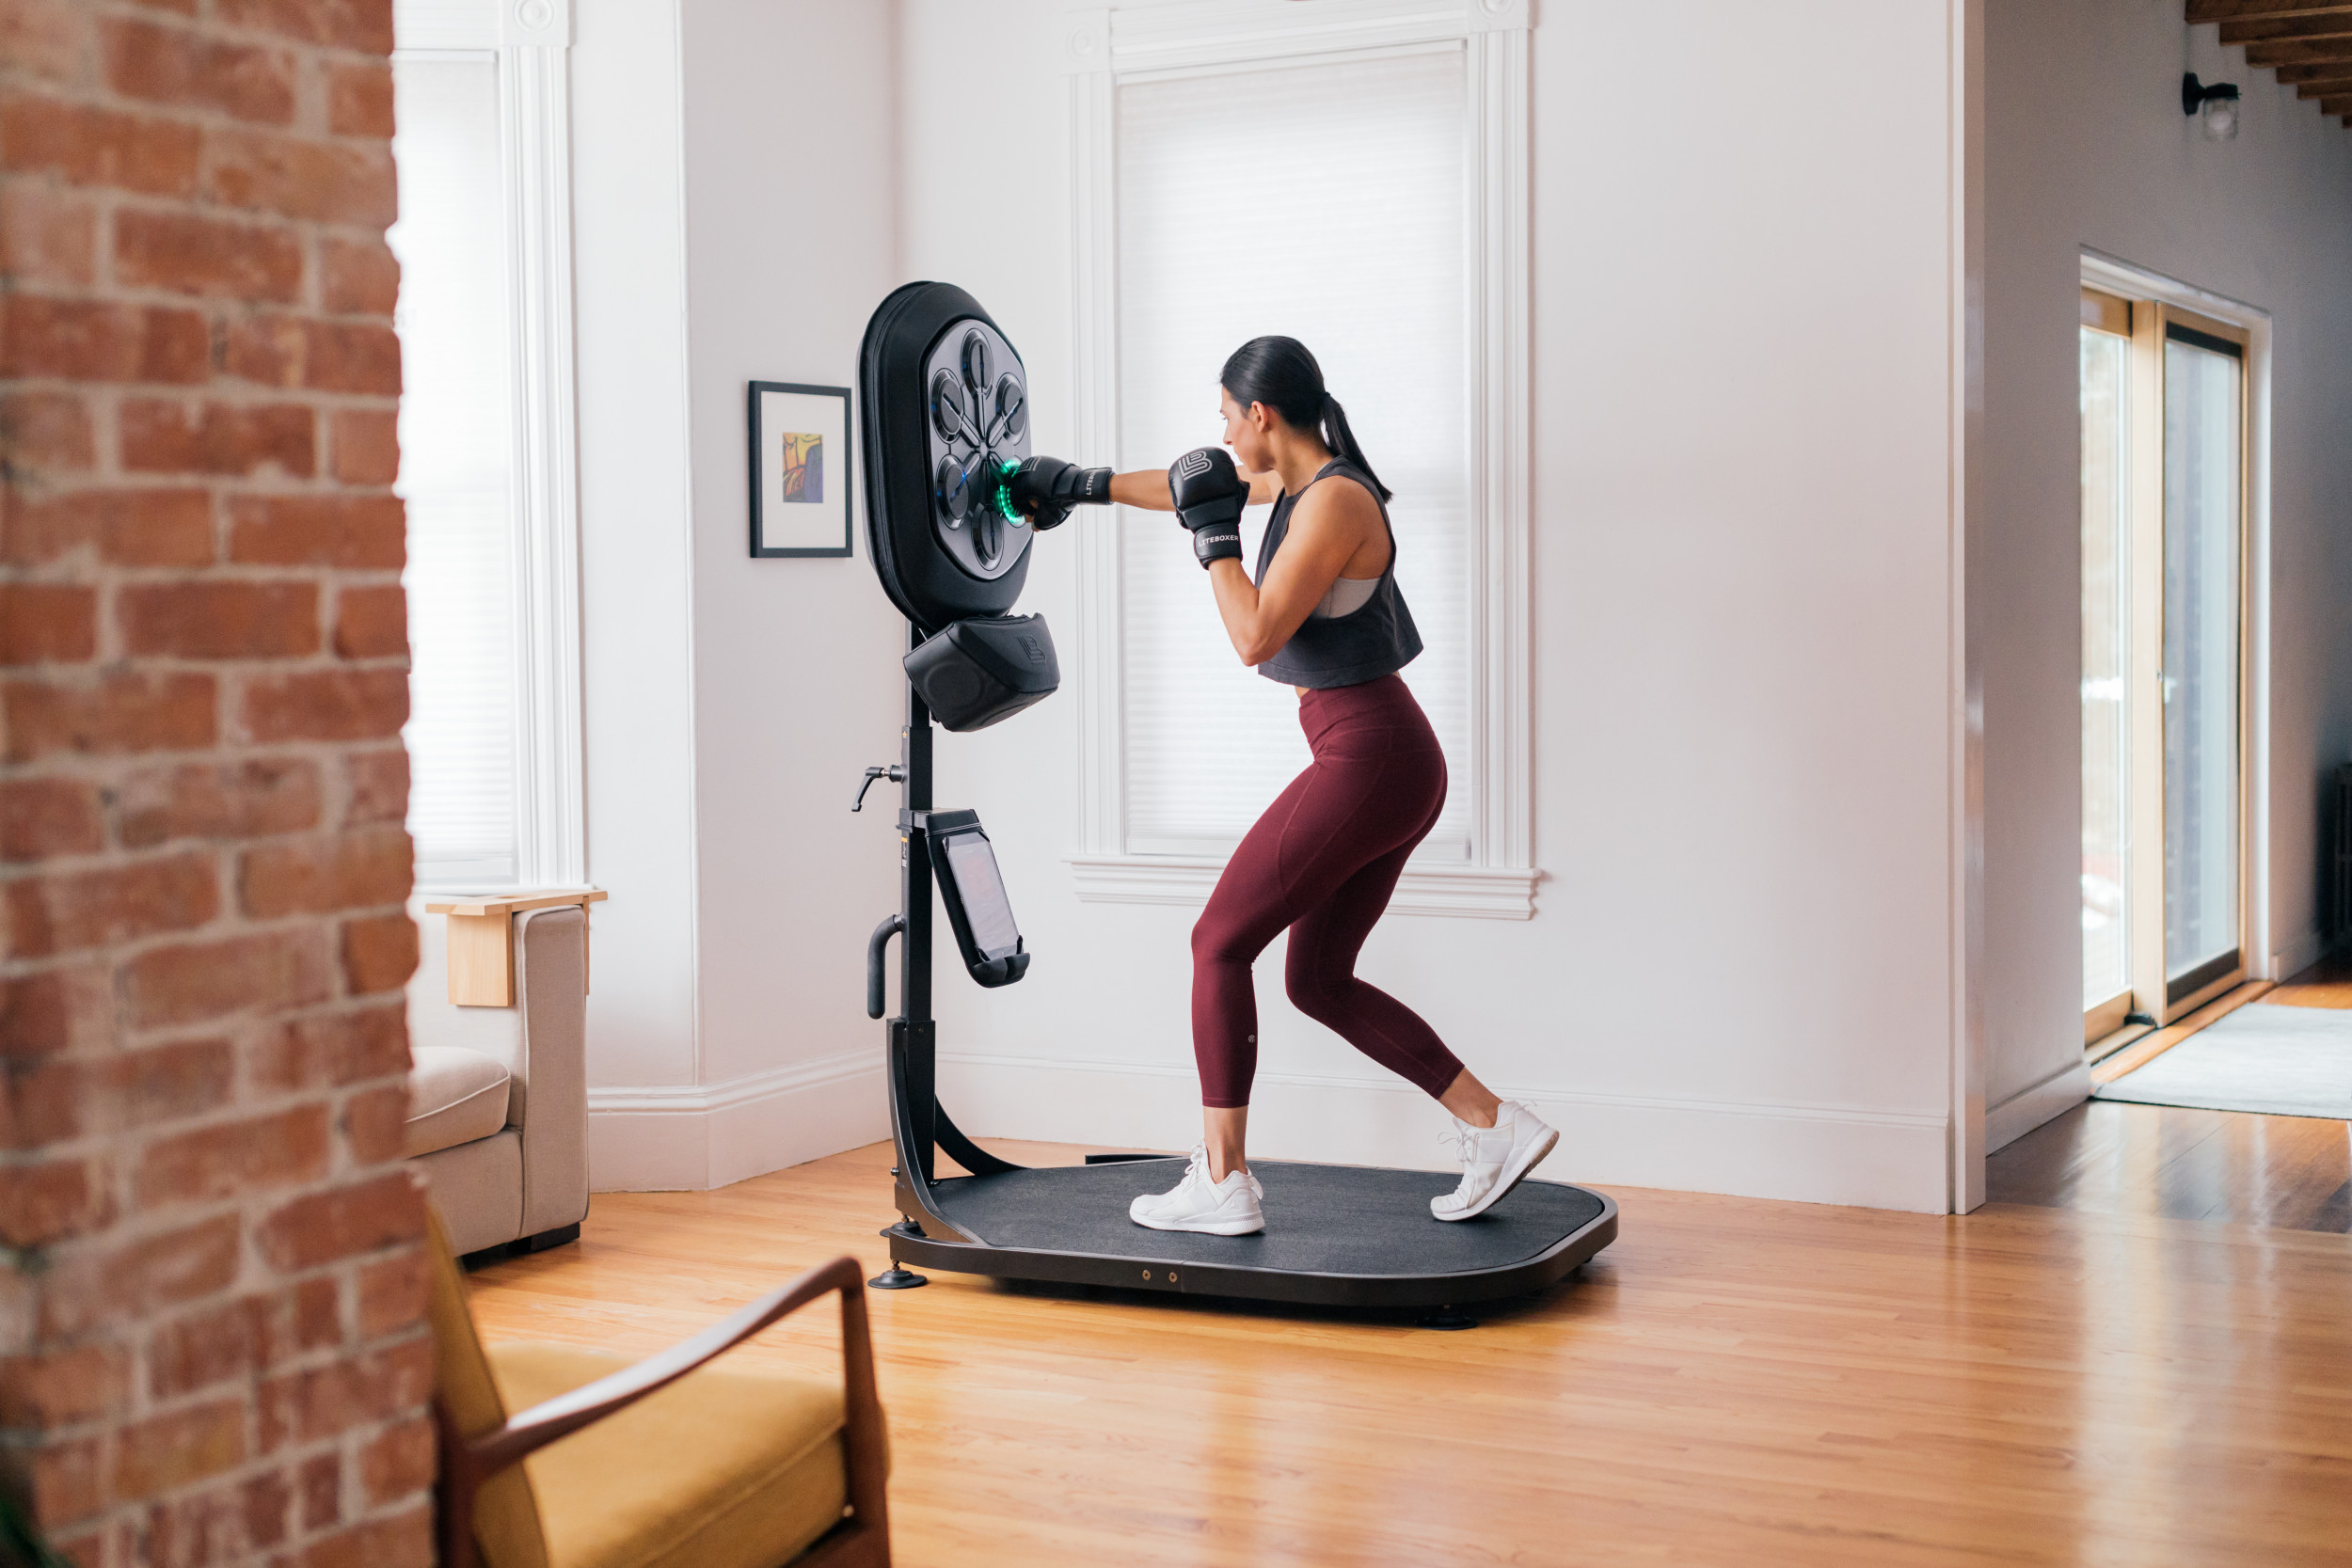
column 1232, row 1207
column 1494, row 1160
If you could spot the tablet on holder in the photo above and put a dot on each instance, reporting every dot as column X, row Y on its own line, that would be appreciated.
column 974, row 892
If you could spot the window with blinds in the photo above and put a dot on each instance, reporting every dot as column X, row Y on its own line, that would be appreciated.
column 1352, row 237
column 456, row 442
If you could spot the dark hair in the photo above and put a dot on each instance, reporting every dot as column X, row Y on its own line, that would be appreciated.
column 1281, row 373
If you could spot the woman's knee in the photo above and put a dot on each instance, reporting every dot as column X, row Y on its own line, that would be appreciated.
column 1220, row 940
column 1320, row 995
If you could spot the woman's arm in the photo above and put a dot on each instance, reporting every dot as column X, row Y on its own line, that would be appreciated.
column 1329, row 525
column 1146, row 488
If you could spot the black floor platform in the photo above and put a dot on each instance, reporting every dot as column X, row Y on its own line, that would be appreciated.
column 1335, row 1235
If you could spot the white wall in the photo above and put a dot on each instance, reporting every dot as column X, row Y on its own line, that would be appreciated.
column 736, row 170
column 2087, row 147
column 1741, row 977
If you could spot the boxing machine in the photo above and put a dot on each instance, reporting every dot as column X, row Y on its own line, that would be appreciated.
column 954, row 501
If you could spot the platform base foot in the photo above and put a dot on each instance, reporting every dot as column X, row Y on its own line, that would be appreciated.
column 1447, row 1317
column 897, row 1278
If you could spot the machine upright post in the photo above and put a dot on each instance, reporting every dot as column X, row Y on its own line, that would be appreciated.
column 918, row 1040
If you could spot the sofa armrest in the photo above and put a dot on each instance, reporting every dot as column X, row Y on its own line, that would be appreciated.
column 549, row 1101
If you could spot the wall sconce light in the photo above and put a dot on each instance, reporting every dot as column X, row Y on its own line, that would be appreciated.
column 2214, row 106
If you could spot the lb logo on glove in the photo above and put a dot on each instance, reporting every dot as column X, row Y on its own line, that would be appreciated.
column 1191, row 465
column 1209, row 493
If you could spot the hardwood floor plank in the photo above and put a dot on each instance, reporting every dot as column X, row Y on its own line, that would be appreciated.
column 2326, row 984
column 2227, row 1166
column 1733, row 1382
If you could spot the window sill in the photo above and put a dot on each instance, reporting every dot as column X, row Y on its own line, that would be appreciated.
column 1466, row 892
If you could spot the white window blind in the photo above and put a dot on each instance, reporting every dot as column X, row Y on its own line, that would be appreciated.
column 1327, row 202
column 456, row 440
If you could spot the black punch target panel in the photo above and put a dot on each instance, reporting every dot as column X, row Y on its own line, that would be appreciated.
column 944, row 406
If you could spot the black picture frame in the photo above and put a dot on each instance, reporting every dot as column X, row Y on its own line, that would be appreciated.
column 784, row 530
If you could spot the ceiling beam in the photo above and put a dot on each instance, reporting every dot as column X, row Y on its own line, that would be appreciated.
column 2257, row 10
column 2291, row 74
column 2329, row 24
column 2336, row 105
column 2331, row 87
column 2300, row 52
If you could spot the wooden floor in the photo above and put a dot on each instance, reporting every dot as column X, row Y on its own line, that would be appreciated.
column 2327, row 984
column 2113, row 1158
column 2230, row 1166
column 1733, row 1383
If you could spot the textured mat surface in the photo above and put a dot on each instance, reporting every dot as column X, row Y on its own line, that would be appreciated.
column 2279, row 1060
column 1320, row 1219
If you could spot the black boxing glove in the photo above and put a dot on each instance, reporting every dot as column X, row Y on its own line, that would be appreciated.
column 1209, row 493
column 1044, row 490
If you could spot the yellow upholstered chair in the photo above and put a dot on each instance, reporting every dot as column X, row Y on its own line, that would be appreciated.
column 556, row 1457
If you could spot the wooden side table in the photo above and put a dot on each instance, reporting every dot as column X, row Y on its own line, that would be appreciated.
column 482, row 941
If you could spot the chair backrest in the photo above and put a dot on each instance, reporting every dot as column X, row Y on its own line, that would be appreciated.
column 505, row 1513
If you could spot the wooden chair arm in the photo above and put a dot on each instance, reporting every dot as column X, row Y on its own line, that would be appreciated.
column 468, row 1462
column 543, row 1423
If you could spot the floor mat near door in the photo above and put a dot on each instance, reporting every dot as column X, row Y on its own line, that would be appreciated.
column 2267, row 1057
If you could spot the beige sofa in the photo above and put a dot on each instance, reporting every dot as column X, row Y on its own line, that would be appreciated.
column 499, row 1097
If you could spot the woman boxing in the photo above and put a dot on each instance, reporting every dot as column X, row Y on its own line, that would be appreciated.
column 1324, row 616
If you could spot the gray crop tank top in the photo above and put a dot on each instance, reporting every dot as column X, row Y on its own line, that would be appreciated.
column 1376, row 639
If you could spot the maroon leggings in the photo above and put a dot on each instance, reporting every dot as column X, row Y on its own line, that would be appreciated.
column 1323, row 860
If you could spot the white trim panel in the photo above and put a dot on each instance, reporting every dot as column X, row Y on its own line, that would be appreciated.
column 695, row 1138
column 2298, row 955
column 2028, row 1109
column 550, row 818
column 1227, row 32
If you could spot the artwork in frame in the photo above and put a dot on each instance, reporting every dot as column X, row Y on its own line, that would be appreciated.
column 800, row 445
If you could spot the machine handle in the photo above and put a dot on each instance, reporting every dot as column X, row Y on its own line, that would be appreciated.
column 895, row 773
column 876, row 946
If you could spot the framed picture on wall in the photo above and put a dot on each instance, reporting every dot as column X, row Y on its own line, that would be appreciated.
column 800, row 468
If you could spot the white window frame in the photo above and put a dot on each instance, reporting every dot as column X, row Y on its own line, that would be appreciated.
column 1101, row 49
column 530, row 41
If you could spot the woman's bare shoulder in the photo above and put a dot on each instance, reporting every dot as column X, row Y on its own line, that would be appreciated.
column 1341, row 490
column 1340, row 501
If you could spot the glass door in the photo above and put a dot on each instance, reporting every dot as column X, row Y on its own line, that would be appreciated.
column 2203, row 545
column 2162, row 411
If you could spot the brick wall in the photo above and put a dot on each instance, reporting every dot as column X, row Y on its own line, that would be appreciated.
column 209, row 1291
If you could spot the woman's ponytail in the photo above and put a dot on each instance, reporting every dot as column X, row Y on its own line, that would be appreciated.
column 1281, row 373
column 1341, row 441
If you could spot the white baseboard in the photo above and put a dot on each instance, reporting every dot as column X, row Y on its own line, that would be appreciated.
column 694, row 1137
column 2028, row 1109
column 2298, row 955
column 1810, row 1154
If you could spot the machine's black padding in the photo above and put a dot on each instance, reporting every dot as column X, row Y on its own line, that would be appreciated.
column 1320, row 1219
column 979, row 670
column 943, row 403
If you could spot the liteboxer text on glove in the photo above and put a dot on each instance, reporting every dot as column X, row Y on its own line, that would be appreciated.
column 1208, row 495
